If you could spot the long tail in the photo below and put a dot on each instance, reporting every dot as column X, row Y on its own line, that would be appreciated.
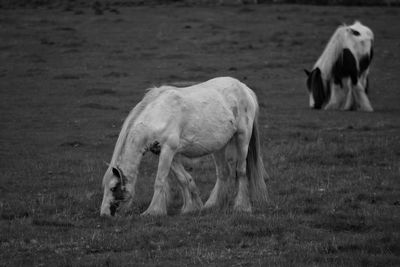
column 255, row 168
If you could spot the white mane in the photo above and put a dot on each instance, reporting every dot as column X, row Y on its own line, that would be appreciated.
column 151, row 94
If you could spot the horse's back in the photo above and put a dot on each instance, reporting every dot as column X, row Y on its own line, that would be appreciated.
column 229, row 90
column 221, row 91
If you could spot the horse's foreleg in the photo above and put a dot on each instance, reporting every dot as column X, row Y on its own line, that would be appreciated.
column 158, row 205
column 349, row 102
column 190, row 193
column 360, row 95
column 364, row 103
column 223, row 172
column 336, row 97
column 242, row 200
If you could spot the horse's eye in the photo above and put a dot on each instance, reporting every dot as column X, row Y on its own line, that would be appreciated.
column 355, row 33
column 113, row 189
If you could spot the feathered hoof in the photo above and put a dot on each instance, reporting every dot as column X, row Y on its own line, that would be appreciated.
column 242, row 208
column 195, row 206
column 209, row 205
column 154, row 212
column 367, row 109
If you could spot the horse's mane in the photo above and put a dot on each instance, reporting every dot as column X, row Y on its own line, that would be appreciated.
column 331, row 51
column 151, row 95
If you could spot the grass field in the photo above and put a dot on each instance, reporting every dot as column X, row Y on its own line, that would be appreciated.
column 68, row 78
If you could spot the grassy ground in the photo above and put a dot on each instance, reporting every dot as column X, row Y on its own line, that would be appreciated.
column 69, row 77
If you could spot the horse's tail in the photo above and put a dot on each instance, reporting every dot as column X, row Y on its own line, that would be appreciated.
column 255, row 168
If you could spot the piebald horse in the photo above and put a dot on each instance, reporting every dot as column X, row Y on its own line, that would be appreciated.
column 339, row 79
column 177, row 123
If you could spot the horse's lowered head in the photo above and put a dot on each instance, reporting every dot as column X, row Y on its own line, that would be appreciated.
column 116, row 194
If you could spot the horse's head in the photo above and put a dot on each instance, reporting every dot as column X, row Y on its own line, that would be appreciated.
column 116, row 196
column 316, row 88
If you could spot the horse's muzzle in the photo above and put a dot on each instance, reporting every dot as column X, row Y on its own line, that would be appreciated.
column 107, row 211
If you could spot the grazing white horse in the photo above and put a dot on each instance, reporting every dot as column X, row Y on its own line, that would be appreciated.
column 339, row 79
column 189, row 122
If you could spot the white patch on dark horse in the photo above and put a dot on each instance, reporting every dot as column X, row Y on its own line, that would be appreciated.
column 217, row 117
column 339, row 79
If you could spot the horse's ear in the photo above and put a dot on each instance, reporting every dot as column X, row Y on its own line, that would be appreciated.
column 116, row 172
column 307, row 72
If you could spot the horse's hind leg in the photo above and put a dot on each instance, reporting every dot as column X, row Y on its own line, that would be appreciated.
column 190, row 193
column 223, row 173
column 242, row 200
column 158, row 205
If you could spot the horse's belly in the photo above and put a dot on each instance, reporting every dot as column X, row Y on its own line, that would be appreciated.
column 200, row 140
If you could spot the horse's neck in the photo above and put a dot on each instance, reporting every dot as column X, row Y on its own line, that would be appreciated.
column 130, row 156
column 129, row 163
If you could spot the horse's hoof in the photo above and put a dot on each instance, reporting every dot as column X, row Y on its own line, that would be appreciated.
column 367, row 109
column 154, row 213
column 191, row 208
column 209, row 206
column 242, row 209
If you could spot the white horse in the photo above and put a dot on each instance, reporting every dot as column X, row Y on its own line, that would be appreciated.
column 189, row 122
column 339, row 79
